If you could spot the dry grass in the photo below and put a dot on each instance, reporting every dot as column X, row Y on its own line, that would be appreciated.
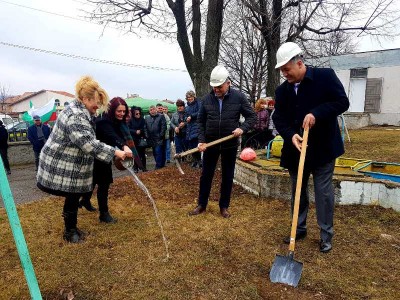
column 375, row 143
column 211, row 257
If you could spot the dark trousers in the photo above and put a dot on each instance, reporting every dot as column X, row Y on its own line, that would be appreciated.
column 159, row 155
column 4, row 157
column 324, row 198
column 102, row 196
column 142, row 155
column 180, row 144
column 70, row 211
column 193, row 143
column 210, row 160
column 37, row 155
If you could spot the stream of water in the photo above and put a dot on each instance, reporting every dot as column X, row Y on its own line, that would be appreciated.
column 144, row 189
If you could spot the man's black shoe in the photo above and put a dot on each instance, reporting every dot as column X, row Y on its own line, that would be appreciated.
column 325, row 247
column 299, row 236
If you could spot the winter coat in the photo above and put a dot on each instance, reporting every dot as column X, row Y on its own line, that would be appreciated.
column 322, row 94
column 108, row 132
column 66, row 160
column 33, row 137
column 214, row 124
column 155, row 127
column 134, row 125
column 192, row 111
column 177, row 118
column 262, row 120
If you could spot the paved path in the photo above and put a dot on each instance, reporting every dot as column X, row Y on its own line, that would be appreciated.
column 23, row 182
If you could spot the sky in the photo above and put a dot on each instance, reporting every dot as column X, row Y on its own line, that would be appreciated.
column 23, row 70
column 27, row 71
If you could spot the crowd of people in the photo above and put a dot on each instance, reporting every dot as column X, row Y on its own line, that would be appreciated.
column 78, row 153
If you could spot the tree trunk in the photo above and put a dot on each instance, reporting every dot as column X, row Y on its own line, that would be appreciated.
column 199, row 68
column 272, row 38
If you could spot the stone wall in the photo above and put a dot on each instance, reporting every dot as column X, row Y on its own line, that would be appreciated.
column 20, row 153
column 348, row 190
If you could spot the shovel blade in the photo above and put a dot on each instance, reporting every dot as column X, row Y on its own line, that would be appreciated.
column 286, row 270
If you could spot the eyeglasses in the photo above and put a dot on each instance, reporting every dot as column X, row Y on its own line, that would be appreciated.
column 137, row 114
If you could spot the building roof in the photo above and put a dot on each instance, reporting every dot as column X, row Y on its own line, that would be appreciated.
column 27, row 95
column 370, row 59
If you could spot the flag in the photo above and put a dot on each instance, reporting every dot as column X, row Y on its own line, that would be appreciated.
column 46, row 113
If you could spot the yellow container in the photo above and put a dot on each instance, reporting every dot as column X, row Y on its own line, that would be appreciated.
column 276, row 146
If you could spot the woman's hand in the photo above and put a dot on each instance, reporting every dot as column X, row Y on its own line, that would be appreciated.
column 120, row 154
column 128, row 151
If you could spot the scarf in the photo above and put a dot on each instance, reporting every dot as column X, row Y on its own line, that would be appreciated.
column 131, row 144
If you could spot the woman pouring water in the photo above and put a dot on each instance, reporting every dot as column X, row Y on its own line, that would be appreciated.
column 111, row 128
column 66, row 160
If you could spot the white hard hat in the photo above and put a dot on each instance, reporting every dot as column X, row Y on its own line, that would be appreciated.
column 218, row 76
column 286, row 52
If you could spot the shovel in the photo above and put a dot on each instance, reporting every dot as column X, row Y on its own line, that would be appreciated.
column 285, row 269
column 178, row 156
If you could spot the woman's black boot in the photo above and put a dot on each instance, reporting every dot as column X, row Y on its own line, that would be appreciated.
column 87, row 204
column 71, row 233
column 107, row 218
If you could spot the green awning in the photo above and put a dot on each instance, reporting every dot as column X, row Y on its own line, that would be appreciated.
column 144, row 104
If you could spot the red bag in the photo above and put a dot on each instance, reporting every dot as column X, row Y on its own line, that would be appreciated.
column 248, row 154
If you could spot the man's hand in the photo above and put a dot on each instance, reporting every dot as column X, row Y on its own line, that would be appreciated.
column 296, row 140
column 237, row 132
column 202, row 147
column 181, row 124
column 176, row 130
column 309, row 121
column 188, row 119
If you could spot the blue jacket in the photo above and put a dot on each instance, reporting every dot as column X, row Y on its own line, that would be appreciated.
column 33, row 138
column 322, row 94
column 192, row 111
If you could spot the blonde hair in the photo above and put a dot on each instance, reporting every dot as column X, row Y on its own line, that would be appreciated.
column 259, row 102
column 87, row 87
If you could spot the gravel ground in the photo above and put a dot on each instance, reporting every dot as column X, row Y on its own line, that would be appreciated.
column 23, row 182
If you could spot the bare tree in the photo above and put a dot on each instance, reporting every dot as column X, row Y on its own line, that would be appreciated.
column 172, row 19
column 4, row 94
column 315, row 24
column 243, row 52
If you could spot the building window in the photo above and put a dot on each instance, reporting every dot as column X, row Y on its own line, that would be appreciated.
column 358, row 73
column 66, row 103
column 57, row 102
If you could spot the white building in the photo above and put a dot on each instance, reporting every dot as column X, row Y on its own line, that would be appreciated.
column 372, row 83
column 20, row 104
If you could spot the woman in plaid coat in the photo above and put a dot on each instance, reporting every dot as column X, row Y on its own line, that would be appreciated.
column 66, row 160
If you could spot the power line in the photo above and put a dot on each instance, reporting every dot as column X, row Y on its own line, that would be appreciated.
column 45, row 11
column 92, row 59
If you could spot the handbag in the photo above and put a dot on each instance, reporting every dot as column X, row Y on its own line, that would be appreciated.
column 142, row 143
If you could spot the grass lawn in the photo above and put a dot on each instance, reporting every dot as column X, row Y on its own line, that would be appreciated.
column 211, row 257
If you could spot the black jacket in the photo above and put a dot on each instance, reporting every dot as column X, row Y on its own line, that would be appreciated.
column 108, row 132
column 322, row 94
column 3, row 137
column 134, row 125
column 155, row 127
column 214, row 124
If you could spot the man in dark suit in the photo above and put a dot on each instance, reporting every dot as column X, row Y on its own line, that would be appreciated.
column 310, row 97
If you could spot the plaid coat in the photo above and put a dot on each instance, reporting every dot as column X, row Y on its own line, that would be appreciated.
column 66, row 160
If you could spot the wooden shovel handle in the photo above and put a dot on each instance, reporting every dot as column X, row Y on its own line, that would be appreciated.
column 298, row 190
column 194, row 150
